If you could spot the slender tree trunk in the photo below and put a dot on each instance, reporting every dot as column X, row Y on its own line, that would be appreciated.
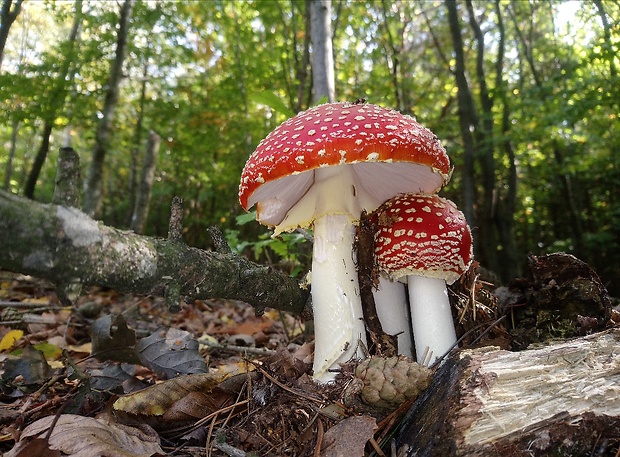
column 39, row 160
column 8, row 171
column 7, row 17
column 609, row 52
column 485, row 145
column 93, row 192
column 506, row 206
column 467, row 115
column 576, row 223
column 392, row 56
column 322, row 53
column 141, row 208
column 137, row 139
column 56, row 102
column 302, row 66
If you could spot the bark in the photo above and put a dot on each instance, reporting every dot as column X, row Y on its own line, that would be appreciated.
column 556, row 400
column 65, row 246
column 68, row 179
column 93, row 194
column 322, row 52
column 145, row 190
column 7, row 17
column 467, row 114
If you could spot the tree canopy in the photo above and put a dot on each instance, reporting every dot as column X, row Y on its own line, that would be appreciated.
column 522, row 94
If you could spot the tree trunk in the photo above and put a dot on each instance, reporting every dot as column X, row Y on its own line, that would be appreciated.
column 65, row 246
column 93, row 192
column 7, row 17
column 137, row 140
column 56, row 102
column 467, row 115
column 302, row 66
column 485, row 144
column 8, row 171
column 145, row 190
column 556, row 400
column 506, row 200
column 322, row 53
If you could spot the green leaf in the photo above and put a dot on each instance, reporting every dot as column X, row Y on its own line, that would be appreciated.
column 243, row 219
column 272, row 101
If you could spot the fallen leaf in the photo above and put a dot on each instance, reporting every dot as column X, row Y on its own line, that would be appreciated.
column 348, row 437
column 158, row 399
column 170, row 353
column 113, row 340
column 38, row 447
column 30, row 368
column 79, row 436
column 9, row 340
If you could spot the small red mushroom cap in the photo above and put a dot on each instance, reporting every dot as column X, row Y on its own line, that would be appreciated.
column 422, row 234
column 339, row 134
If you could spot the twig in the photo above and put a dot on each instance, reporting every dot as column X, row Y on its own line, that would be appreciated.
column 376, row 447
column 234, row 348
column 229, row 450
column 319, row 438
column 289, row 389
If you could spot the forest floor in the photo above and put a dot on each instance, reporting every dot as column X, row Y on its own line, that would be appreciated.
column 122, row 375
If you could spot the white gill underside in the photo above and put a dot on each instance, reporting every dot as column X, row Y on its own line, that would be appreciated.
column 431, row 318
column 367, row 184
column 338, row 318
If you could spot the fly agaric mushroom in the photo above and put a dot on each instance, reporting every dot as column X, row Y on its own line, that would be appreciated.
column 322, row 168
column 425, row 239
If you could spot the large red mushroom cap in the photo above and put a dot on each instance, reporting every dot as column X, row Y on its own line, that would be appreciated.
column 390, row 153
column 424, row 235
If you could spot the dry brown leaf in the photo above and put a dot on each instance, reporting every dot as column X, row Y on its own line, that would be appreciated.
column 348, row 437
column 79, row 436
column 159, row 399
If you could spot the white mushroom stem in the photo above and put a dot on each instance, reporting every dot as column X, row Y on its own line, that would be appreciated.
column 332, row 205
column 393, row 312
column 431, row 318
column 338, row 319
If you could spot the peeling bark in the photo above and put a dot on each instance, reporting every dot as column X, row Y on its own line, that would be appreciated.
column 65, row 246
column 561, row 398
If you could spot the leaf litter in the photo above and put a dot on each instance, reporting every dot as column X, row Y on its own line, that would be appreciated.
column 127, row 377
column 216, row 380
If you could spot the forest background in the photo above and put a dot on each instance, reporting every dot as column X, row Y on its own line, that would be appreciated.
column 523, row 94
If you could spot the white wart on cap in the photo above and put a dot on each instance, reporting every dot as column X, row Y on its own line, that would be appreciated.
column 389, row 153
column 422, row 234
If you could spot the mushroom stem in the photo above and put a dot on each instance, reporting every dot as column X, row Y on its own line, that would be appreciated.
column 431, row 318
column 338, row 319
column 392, row 309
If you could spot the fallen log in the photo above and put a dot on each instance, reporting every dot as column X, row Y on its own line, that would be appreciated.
column 562, row 400
column 64, row 245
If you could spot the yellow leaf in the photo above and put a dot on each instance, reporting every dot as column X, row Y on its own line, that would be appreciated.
column 9, row 340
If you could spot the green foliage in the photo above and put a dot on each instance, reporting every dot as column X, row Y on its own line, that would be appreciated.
column 290, row 251
column 218, row 76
